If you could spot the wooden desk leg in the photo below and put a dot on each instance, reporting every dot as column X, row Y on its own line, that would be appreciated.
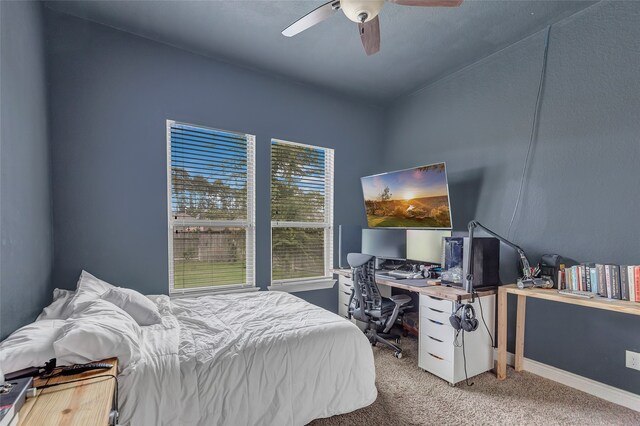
column 521, row 314
column 502, row 334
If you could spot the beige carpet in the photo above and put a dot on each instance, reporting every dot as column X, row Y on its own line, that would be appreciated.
column 408, row 395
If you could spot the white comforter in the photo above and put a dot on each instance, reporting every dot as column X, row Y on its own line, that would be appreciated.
column 264, row 358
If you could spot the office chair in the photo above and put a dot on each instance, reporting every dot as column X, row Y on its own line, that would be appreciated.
column 366, row 304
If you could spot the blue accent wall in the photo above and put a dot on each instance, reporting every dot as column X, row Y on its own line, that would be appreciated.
column 26, row 252
column 111, row 93
column 580, row 197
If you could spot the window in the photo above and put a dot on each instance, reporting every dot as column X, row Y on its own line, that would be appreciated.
column 211, row 208
column 301, row 213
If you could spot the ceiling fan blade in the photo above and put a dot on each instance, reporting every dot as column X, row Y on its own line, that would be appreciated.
column 370, row 36
column 428, row 3
column 312, row 18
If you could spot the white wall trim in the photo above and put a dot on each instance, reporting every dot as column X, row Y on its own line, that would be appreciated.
column 292, row 287
column 584, row 384
column 212, row 292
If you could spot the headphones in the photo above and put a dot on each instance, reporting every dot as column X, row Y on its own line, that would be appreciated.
column 464, row 318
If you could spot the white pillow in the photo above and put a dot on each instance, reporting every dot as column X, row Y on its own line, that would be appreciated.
column 141, row 309
column 59, row 308
column 29, row 346
column 89, row 288
column 98, row 330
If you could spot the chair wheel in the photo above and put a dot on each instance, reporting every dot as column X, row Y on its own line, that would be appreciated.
column 398, row 355
column 373, row 343
column 397, row 340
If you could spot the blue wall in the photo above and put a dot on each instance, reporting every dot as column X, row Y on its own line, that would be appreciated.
column 111, row 93
column 26, row 252
column 580, row 197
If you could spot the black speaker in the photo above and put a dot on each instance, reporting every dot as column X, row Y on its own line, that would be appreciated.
column 486, row 262
column 349, row 241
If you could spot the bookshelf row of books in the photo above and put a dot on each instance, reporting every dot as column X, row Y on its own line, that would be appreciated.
column 611, row 281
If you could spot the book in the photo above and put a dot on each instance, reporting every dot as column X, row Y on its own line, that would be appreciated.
column 632, row 284
column 607, row 277
column 593, row 272
column 636, row 275
column 583, row 277
column 13, row 400
column 587, row 275
column 615, row 282
column 560, row 279
column 602, row 282
column 574, row 278
column 580, row 275
column 624, row 282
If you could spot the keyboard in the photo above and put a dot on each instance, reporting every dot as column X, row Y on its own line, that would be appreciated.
column 578, row 293
column 404, row 274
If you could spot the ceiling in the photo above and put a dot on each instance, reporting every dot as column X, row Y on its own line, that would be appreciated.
column 419, row 44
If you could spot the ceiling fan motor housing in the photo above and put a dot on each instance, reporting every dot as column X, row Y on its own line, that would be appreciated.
column 361, row 11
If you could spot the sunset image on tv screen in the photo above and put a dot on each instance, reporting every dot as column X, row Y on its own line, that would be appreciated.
column 412, row 198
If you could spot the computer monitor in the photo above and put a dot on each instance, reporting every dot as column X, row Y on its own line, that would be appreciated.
column 425, row 245
column 385, row 243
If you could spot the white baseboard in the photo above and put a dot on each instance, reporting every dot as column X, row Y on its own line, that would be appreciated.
column 592, row 387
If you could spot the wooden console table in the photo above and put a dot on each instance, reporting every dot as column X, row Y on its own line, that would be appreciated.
column 81, row 403
column 621, row 306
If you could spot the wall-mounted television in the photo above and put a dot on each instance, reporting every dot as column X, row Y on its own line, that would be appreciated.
column 412, row 198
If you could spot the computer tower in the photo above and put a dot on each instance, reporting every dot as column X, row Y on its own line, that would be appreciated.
column 486, row 259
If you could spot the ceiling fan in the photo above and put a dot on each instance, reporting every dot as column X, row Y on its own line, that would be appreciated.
column 364, row 13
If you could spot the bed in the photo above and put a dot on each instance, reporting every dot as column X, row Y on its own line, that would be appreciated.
column 263, row 358
column 260, row 358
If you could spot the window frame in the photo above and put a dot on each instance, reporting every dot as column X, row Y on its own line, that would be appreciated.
column 249, row 224
column 307, row 283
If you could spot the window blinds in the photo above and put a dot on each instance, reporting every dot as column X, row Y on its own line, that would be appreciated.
column 211, row 208
column 301, row 211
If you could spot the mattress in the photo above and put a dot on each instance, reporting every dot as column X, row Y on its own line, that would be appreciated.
column 262, row 358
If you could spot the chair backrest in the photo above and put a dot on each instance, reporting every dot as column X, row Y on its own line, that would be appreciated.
column 366, row 293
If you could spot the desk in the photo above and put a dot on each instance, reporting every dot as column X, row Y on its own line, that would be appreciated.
column 621, row 306
column 80, row 403
column 439, row 352
column 454, row 294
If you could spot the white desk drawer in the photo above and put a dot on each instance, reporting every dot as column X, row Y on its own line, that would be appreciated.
column 345, row 288
column 344, row 281
column 436, row 365
column 436, row 328
column 436, row 304
column 438, row 347
column 345, row 291
column 435, row 314
column 343, row 310
column 343, row 297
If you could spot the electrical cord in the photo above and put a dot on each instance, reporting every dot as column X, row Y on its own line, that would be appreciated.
column 475, row 293
column 534, row 125
column 464, row 358
column 464, row 355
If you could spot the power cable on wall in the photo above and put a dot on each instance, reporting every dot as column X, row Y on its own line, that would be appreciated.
column 534, row 127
